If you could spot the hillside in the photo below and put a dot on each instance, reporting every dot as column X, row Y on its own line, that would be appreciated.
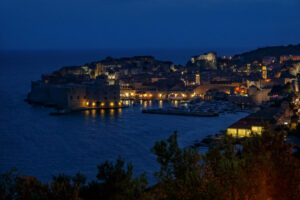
column 275, row 51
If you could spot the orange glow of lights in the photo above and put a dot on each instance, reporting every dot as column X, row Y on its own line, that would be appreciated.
column 94, row 104
column 240, row 90
column 111, row 104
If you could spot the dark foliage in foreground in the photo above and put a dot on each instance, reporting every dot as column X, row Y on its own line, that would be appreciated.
column 261, row 167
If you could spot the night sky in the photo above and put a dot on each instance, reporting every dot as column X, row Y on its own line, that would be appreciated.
column 102, row 24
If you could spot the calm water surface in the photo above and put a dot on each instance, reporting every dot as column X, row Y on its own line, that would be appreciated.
column 42, row 145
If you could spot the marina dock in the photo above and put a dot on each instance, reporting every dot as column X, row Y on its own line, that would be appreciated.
column 179, row 112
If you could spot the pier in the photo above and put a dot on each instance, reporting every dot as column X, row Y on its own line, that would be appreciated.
column 179, row 112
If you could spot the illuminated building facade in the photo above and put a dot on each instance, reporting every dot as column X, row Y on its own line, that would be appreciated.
column 256, row 122
column 245, row 127
column 75, row 96
column 264, row 72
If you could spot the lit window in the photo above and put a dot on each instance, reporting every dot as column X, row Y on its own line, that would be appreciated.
column 232, row 131
column 257, row 129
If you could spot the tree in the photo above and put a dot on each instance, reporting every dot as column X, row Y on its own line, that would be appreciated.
column 258, row 167
column 29, row 188
column 181, row 174
column 261, row 167
column 116, row 182
column 79, row 180
column 62, row 188
column 8, row 187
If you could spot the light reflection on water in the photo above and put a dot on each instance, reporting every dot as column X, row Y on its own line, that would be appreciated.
column 87, row 112
column 175, row 103
column 120, row 111
column 103, row 113
column 161, row 104
column 93, row 113
column 113, row 113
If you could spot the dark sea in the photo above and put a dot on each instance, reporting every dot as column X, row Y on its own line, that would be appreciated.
column 41, row 145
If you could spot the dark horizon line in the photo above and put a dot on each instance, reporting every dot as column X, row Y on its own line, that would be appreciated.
column 149, row 48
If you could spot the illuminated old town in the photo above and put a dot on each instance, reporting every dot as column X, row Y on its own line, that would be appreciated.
column 204, row 87
column 150, row 100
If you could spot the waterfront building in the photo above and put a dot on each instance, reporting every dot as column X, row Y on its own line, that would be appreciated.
column 96, row 94
column 245, row 127
column 126, row 91
column 256, row 123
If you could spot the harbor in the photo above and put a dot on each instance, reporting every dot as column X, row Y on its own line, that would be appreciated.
column 198, row 108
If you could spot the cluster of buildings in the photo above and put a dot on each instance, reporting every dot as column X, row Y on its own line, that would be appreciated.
column 106, row 83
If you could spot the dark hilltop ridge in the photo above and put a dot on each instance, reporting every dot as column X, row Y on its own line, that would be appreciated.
column 273, row 51
column 247, row 57
column 208, row 59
